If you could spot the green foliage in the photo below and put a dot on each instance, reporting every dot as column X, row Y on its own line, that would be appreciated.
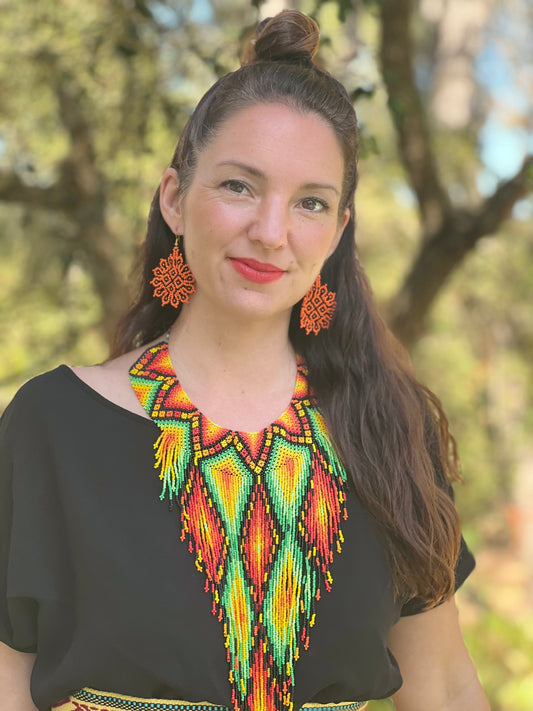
column 475, row 357
column 93, row 112
column 503, row 648
column 50, row 313
column 344, row 8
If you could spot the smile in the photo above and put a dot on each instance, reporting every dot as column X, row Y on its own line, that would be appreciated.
column 258, row 272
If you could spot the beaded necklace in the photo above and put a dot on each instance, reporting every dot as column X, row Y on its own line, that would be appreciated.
column 261, row 514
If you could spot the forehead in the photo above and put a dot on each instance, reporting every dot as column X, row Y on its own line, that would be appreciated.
column 280, row 138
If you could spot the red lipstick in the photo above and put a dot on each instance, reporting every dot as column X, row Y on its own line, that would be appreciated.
column 258, row 272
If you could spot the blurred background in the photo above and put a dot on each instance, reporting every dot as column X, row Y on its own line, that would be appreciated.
column 92, row 99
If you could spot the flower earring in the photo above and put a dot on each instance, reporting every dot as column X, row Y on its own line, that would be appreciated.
column 173, row 281
column 318, row 307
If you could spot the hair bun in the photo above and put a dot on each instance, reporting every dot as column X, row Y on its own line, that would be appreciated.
column 289, row 36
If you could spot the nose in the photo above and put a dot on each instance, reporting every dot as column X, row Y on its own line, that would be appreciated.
column 270, row 225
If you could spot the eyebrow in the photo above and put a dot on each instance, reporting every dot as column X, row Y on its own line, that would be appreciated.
column 259, row 174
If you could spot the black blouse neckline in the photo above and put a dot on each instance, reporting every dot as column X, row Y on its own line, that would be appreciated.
column 102, row 399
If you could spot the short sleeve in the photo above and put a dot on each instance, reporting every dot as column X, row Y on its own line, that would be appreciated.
column 31, row 538
column 18, row 616
column 465, row 565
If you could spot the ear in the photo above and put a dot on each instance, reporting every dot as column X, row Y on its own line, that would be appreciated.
column 170, row 201
column 340, row 229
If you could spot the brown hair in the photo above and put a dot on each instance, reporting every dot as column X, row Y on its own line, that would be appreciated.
column 389, row 429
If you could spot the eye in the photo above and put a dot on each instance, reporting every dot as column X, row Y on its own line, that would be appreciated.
column 235, row 186
column 314, row 205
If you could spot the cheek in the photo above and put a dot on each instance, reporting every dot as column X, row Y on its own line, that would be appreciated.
column 215, row 222
column 313, row 243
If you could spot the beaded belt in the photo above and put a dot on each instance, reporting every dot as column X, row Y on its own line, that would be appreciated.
column 92, row 700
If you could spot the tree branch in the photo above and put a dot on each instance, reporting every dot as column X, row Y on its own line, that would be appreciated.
column 396, row 55
column 80, row 195
column 14, row 189
column 79, row 167
column 498, row 207
column 406, row 312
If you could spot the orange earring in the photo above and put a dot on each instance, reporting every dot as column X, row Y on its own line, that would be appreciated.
column 317, row 308
column 173, row 281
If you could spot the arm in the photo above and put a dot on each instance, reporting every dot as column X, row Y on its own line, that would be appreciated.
column 15, row 672
column 438, row 674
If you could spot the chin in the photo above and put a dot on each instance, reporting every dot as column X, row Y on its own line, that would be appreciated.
column 255, row 306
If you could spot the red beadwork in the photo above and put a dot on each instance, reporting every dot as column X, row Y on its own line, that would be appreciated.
column 261, row 515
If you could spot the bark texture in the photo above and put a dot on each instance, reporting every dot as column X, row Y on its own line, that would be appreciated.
column 447, row 233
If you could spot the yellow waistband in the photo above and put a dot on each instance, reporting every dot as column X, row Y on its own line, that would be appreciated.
column 92, row 700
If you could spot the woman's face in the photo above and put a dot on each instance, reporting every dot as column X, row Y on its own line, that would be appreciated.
column 261, row 214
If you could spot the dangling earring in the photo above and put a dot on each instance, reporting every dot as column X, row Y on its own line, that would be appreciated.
column 173, row 281
column 317, row 308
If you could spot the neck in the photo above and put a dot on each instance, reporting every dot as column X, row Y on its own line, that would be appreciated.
column 231, row 348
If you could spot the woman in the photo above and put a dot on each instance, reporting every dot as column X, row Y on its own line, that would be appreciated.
column 320, row 548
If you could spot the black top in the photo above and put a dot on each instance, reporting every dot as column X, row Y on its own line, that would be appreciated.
column 94, row 578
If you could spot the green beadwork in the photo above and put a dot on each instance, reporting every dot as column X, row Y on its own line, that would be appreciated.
column 261, row 513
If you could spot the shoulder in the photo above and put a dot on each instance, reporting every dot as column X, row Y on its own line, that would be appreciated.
column 33, row 396
column 63, row 393
column 25, row 423
column 111, row 380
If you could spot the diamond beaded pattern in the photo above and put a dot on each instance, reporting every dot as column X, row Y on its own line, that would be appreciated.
column 261, row 514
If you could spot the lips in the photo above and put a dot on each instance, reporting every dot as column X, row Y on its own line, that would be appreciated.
column 258, row 272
